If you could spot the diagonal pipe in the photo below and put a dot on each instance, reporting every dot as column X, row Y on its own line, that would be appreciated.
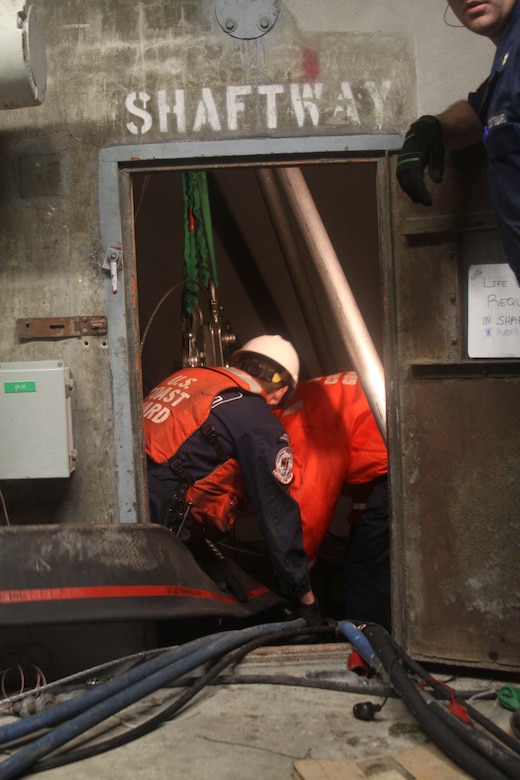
column 344, row 309
column 286, row 239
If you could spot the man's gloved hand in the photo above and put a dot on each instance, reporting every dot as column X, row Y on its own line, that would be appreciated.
column 215, row 565
column 309, row 612
column 423, row 146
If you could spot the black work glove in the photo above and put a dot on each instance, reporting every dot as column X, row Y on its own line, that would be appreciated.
column 309, row 612
column 215, row 565
column 423, row 146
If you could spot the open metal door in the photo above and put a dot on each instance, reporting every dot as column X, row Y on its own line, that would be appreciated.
column 455, row 429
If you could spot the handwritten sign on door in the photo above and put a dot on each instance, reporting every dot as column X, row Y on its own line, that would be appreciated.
column 493, row 312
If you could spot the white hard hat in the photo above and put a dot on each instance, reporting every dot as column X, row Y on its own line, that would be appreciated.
column 276, row 349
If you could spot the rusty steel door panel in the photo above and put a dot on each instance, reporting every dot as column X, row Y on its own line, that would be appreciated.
column 454, row 427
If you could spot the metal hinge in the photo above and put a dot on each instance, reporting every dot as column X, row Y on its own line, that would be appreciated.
column 61, row 327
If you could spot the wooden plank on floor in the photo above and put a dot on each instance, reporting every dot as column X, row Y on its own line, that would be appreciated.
column 421, row 763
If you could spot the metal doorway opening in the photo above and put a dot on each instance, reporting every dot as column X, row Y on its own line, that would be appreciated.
column 259, row 292
column 256, row 288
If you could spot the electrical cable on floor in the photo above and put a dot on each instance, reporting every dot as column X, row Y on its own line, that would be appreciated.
column 443, row 692
column 302, row 682
column 188, row 657
column 85, row 675
column 440, row 730
column 229, row 659
column 66, row 710
column 468, row 749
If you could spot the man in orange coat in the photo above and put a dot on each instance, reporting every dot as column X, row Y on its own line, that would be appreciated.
column 337, row 448
column 213, row 444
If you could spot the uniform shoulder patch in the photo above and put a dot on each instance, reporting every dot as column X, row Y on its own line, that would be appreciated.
column 283, row 466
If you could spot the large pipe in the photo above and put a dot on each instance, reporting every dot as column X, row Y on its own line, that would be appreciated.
column 281, row 225
column 344, row 309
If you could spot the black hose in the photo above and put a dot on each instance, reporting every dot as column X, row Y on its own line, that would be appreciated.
column 441, row 691
column 439, row 732
column 230, row 658
column 191, row 656
column 488, row 748
column 303, row 682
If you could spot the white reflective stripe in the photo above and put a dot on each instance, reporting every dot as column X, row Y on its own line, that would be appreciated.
column 254, row 386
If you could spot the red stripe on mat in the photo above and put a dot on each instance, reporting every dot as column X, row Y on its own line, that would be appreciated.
column 115, row 592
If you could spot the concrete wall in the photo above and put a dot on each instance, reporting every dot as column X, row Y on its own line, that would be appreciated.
column 121, row 73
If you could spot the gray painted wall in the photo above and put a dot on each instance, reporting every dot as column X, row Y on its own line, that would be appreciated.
column 154, row 72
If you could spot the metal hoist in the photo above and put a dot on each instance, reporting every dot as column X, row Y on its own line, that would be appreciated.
column 208, row 343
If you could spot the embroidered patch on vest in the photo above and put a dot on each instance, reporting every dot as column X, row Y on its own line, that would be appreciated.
column 283, row 466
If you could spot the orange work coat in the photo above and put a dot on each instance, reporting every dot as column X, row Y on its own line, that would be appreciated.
column 172, row 412
column 336, row 442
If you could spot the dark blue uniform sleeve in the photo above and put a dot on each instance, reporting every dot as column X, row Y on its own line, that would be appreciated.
column 261, row 448
column 476, row 99
column 497, row 102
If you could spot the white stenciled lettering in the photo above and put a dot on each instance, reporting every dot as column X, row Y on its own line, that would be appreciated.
column 175, row 396
column 332, row 379
column 134, row 109
column 257, row 107
column 347, row 378
column 157, row 413
column 305, row 102
column 234, row 105
column 271, row 91
column 346, row 105
column 178, row 109
column 181, row 380
column 158, row 393
column 378, row 95
column 206, row 113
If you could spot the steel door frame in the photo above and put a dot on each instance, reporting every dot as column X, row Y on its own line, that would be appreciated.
column 116, row 164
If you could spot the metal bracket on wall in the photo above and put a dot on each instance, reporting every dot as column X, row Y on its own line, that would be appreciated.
column 61, row 327
column 244, row 19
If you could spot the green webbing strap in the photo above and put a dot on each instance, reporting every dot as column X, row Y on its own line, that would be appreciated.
column 199, row 251
column 509, row 697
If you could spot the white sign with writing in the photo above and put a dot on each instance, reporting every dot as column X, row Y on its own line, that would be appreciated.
column 493, row 312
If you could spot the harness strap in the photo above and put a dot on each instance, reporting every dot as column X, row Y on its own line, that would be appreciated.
column 211, row 435
column 177, row 467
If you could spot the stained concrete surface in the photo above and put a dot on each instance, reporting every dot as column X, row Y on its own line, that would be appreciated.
column 251, row 731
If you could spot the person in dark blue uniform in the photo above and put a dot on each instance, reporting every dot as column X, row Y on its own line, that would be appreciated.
column 491, row 114
column 214, row 445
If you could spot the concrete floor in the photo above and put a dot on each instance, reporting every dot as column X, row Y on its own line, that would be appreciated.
column 261, row 731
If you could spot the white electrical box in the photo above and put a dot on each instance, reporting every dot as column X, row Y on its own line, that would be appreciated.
column 36, row 438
